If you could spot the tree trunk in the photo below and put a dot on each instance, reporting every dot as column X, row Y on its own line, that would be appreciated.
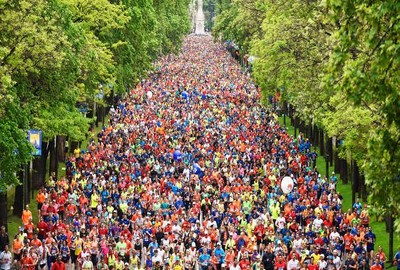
column 61, row 148
column 95, row 114
column 354, row 180
column 100, row 114
column 357, row 178
column 27, row 184
column 19, row 195
column 330, row 146
column 316, row 135
column 311, row 131
column 103, row 115
column 3, row 209
column 39, row 170
column 363, row 188
column 74, row 145
column 337, row 162
column 327, row 156
column 343, row 171
column 53, row 158
column 301, row 127
column 391, row 232
column 321, row 143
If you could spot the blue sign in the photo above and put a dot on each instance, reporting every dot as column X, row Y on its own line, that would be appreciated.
column 35, row 138
column 83, row 108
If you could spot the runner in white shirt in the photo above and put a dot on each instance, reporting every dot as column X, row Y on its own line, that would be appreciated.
column 318, row 223
column 333, row 235
column 336, row 260
column 322, row 264
column 280, row 222
column 87, row 263
column 206, row 239
column 157, row 257
column 293, row 263
column 42, row 252
column 5, row 259
column 297, row 243
column 176, row 228
column 211, row 223
column 234, row 266
column 192, row 252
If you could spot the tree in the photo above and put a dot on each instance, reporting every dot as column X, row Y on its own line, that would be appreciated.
column 55, row 54
column 209, row 13
column 293, row 52
column 338, row 64
column 365, row 67
column 173, row 23
column 240, row 21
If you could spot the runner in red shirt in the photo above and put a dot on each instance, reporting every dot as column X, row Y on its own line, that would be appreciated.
column 244, row 264
column 59, row 264
column 280, row 263
column 312, row 265
column 29, row 229
column 348, row 240
column 27, row 262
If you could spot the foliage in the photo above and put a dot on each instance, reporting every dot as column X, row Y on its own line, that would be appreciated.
column 366, row 67
column 173, row 21
column 54, row 54
column 15, row 150
column 336, row 62
column 240, row 21
column 209, row 13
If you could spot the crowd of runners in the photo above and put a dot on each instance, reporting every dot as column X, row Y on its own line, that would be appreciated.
column 187, row 175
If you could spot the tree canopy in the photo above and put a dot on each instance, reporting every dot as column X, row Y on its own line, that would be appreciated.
column 54, row 54
column 337, row 63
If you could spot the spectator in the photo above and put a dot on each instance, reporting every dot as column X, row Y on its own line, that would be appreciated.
column 4, row 239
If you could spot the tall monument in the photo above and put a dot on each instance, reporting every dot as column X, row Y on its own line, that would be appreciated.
column 192, row 8
column 200, row 18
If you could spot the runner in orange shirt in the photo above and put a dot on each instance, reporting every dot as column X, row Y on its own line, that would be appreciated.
column 26, row 215
column 40, row 199
column 17, row 248
column 27, row 262
column 376, row 265
column 348, row 240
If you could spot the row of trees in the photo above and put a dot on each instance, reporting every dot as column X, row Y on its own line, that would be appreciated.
column 336, row 63
column 57, row 54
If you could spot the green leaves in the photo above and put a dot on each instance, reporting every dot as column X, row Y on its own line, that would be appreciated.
column 15, row 149
column 338, row 64
column 56, row 53
column 365, row 67
column 240, row 21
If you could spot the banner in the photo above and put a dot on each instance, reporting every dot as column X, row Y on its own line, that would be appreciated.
column 35, row 138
